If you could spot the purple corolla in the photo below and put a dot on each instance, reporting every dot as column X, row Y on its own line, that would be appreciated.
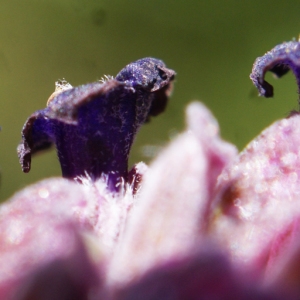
column 93, row 125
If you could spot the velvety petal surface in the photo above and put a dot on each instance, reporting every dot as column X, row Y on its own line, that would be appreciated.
column 27, row 249
column 44, row 223
column 258, row 202
column 68, row 274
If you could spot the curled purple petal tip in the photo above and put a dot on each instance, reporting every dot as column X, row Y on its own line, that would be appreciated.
column 279, row 60
column 93, row 126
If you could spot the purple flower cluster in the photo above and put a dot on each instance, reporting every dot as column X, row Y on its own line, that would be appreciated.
column 201, row 222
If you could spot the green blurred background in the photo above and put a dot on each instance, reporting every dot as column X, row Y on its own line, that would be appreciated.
column 211, row 45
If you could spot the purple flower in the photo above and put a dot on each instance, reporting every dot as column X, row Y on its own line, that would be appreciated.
column 279, row 61
column 93, row 125
column 202, row 222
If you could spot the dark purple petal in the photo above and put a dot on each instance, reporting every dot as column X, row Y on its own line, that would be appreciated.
column 279, row 60
column 93, row 126
column 152, row 75
column 148, row 73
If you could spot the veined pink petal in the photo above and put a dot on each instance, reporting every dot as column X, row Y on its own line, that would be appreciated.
column 171, row 214
column 258, row 203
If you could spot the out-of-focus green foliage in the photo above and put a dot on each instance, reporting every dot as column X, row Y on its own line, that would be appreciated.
column 211, row 45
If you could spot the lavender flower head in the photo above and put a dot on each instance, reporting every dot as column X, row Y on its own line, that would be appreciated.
column 93, row 125
column 207, row 222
